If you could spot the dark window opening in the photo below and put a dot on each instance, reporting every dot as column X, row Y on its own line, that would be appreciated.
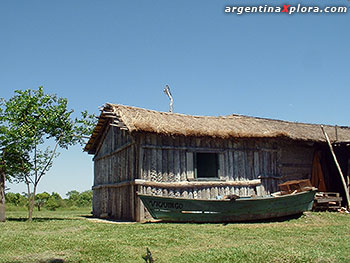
column 206, row 165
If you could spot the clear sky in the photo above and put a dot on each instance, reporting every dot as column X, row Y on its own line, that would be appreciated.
column 291, row 67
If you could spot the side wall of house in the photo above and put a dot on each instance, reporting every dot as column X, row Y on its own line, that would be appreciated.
column 121, row 158
column 241, row 161
column 114, row 163
column 295, row 161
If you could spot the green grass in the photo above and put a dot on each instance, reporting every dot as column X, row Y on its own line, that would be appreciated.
column 67, row 236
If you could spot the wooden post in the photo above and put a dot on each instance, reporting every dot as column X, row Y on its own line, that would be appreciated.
column 348, row 175
column 139, row 207
column 338, row 167
column 189, row 160
column 2, row 197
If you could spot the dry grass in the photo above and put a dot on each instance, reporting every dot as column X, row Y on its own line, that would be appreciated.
column 137, row 119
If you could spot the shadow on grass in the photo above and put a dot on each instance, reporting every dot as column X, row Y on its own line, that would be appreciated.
column 51, row 260
column 271, row 220
column 42, row 219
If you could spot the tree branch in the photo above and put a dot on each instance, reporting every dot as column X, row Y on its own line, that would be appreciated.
column 28, row 179
column 48, row 163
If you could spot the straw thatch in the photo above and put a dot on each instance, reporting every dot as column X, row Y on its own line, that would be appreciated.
column 231, row 126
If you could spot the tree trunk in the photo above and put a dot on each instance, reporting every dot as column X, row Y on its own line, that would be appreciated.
column 2, row 197
column 30, row 202
column 30, row 209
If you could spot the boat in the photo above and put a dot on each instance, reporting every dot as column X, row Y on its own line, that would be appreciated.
column 236, row 209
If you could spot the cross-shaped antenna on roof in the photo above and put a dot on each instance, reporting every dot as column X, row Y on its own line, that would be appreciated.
column 167, row 92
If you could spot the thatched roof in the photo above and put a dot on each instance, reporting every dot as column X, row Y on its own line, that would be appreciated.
column 231, row 126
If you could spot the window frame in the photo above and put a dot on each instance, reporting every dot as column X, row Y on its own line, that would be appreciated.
column 217, row 164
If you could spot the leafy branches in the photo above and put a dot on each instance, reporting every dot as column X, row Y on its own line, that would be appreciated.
column 29, row 122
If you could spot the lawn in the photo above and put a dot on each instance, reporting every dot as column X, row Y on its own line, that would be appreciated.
column 68, row 236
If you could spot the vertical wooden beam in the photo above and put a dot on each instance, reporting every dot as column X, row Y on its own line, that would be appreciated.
column 225, row 167
column 240, row 164
column 122, row 166
column 140, row 159
column 132, row 203
column 265, row 162
column 131, row 161
column 348, row 175
column 165, row 165
column 126, row 161
column 177, row 170
column 236, row 171
column 159, row 162
column 112, row 199
column 183, row 160
column 338, row 167
column 190, row 170
column 138, row 204
column 171, row 175
column 119, row 203
column 256, row 165
column 221, row 164
column 250, row 164
column 230, row 162
column 183, row 165
column 148, row 159
column 153, row 167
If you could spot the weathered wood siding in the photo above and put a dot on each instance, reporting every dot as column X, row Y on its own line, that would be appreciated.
column 122, row 158
column 295, row 161
column 114, row 162
column 169, row 159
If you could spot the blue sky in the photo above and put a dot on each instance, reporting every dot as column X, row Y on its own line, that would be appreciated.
column 290, row 67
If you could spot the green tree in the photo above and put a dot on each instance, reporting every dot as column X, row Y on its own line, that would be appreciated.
column 14, row 159
column 41, row 199
column 85, row 199
column 52, row 204
column 73, row 197
column 35, row 120
column 15, row 199
column 55, row 201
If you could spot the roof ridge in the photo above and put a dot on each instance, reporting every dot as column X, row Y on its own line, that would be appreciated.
column 226, row 116
column 138, row 119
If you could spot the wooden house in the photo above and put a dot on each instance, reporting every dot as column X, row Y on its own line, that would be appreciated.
column 169, row 154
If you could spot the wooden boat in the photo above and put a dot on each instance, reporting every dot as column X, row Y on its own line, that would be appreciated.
column 225, row 210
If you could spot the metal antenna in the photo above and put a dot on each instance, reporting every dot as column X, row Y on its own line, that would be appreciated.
column 167, row 92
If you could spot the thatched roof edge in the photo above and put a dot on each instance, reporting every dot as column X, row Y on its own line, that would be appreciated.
column 232, row 126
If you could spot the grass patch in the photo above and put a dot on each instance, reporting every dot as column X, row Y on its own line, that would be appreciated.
column 67, row 236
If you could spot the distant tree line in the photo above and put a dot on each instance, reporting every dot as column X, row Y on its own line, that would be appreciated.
column 51, row 201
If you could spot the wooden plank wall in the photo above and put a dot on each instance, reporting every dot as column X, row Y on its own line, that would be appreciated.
column 166, row 159
column 158, row 158
column 115, row 162
column 295, row 161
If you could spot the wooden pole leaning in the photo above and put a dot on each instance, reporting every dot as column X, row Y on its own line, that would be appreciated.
column 338, row 167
